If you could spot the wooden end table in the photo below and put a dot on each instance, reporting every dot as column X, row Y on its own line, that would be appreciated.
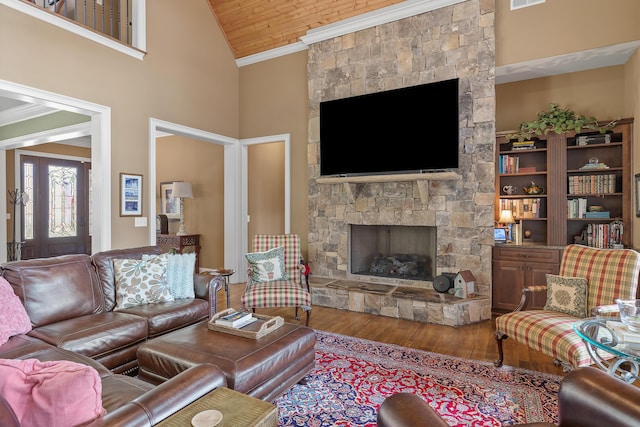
column 237, row 409
column 225, row 273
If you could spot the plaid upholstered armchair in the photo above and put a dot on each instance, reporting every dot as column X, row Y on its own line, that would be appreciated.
column 588, row 283
column 275, row 274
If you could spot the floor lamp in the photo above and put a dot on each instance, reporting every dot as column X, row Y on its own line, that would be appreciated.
column 181, row 190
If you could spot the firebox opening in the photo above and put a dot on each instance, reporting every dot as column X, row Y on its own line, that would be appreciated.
column 396, row 251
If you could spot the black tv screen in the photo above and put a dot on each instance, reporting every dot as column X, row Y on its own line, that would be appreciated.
column 407, row 130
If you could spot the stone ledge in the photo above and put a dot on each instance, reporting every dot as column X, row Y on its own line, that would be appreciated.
column 401, row 302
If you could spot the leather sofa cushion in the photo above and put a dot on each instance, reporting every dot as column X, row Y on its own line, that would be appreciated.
column 95, row 335
column 22, row 346
column 55, row 289
column 168, row 316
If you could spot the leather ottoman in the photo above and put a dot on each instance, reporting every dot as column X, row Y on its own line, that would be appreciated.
column 263, row 368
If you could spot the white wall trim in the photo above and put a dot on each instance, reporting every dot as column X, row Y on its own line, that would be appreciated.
column 139, row 38
column 244, row 237
column 60, row 135
column 232, row 220
column 100, row 158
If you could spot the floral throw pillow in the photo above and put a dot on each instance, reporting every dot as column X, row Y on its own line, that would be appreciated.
column 267, row 266
column 567, row 295
column 141, row 282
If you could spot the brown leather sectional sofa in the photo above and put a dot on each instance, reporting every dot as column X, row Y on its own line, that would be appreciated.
column 70, row 301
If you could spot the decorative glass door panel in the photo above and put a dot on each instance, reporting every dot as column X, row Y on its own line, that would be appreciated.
column 63, row 213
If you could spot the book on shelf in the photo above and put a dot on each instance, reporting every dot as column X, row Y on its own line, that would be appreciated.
column 599, row 214
column 236, row 319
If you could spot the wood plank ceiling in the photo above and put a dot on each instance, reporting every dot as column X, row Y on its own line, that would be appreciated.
column 255, row 26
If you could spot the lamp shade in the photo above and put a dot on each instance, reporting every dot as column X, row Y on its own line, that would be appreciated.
column 506, row 217
column 182, row 190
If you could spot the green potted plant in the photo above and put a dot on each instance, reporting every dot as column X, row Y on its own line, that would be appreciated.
column 558, row 120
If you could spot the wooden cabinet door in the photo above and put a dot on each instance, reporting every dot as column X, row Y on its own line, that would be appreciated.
column 508, row 282
column 535, row 274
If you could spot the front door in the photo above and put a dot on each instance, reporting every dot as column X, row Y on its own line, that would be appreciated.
column 56, row 214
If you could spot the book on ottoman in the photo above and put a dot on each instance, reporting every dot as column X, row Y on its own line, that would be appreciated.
column 237, row 319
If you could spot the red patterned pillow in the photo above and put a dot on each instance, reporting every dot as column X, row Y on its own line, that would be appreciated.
column 14, row 319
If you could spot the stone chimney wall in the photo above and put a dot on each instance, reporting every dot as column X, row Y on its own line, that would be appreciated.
column 455, row 41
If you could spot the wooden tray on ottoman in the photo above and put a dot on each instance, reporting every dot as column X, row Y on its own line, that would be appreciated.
column 256, row 330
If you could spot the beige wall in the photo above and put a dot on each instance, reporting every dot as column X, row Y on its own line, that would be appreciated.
column 273, row 100
column 188, row 77
column 266, row 196
column 557, row 27
column 202, row 164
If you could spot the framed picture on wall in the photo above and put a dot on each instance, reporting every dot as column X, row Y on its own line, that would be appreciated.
column 130, row 194
column 169, row 206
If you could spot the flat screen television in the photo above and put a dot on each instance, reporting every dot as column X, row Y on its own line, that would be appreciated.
column 408, row 130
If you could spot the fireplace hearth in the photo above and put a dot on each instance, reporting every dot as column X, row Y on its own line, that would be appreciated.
column 393, row 251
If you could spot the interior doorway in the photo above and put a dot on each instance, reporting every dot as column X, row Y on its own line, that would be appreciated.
column 99, row 131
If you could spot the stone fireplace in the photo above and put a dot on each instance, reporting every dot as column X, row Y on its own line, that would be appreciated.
column 454, row 41
column 393, row 251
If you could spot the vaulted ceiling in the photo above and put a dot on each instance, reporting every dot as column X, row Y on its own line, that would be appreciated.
column 254, row 26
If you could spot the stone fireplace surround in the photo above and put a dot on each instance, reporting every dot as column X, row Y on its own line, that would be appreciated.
column 453, row 41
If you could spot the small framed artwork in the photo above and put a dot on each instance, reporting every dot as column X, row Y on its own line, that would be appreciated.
column 638, row 195
column 169, row 206
column 130, row 194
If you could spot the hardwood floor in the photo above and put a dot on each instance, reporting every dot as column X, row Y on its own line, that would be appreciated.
column 473, row 341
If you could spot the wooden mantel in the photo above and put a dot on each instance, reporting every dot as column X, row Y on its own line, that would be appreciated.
column 422, row 180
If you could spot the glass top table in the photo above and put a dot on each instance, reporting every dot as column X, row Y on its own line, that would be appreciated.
column 607, row 350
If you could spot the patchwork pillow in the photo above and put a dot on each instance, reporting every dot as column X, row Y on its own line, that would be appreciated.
column 267, row 266
column 180, row 271
column 141, row 281
column 567, row 295
column 56, row 393
column 14, row 319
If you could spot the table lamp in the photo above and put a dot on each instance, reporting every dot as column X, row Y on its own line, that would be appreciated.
column 506, row 217
column 181, row 190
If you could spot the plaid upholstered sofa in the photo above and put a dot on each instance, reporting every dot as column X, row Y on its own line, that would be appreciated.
column 589, row 281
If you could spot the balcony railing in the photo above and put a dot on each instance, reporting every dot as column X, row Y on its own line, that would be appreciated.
column 113, row 18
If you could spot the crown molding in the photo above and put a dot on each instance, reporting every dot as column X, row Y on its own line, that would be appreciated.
column 377, row 17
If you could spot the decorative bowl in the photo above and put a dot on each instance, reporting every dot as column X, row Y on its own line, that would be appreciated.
column 630, row 313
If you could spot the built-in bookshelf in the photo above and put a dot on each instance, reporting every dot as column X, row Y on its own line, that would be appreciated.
column 587, row 184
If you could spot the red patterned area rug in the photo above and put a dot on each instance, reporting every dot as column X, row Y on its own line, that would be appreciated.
column 353, row 376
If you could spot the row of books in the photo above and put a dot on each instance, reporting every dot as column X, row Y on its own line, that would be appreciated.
column 577, row 208
column 237, row 319
column 607, row 236
column 523, row 208
column 592, row 184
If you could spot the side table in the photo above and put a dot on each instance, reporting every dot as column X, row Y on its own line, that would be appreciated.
column 606, row 349
column 225, row 273
column 238, row 409
column 173, row 241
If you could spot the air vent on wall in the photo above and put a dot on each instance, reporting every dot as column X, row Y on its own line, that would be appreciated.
column 519, row 4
